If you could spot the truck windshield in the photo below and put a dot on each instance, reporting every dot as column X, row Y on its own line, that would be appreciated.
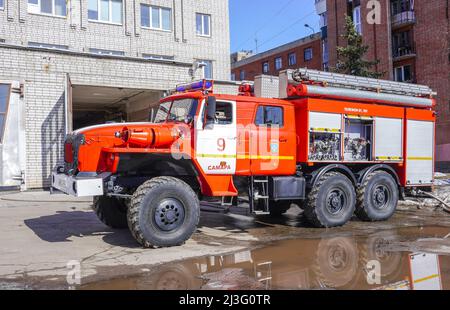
column 177, row 111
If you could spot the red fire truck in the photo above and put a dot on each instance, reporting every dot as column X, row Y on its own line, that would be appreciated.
column 335, row 145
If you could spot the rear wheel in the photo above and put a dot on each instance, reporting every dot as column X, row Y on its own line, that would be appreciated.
column 163, row 212
column 377, row 198
column 111, row 211
column 331, row 202
column 278, row 208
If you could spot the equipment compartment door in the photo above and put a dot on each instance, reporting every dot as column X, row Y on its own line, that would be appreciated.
column 420, row 153
column 216, row 144
column 388, row 139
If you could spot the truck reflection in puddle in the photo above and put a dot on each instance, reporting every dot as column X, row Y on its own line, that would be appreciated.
column 335, row 262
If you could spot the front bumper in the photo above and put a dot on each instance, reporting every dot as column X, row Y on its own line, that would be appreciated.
column 78, row 186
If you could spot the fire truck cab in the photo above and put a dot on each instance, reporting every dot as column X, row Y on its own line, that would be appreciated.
column 335, row 145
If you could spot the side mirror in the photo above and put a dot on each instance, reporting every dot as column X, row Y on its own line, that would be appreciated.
column 211, row 110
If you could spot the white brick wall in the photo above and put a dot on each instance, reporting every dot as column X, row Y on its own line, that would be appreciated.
column 19, row 27
column 43, row 72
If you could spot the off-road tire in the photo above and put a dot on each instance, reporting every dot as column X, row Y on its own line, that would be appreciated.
column 316, row 210
column 111, row 211
column 366, row 209
column 143, row 207
column 278, row 208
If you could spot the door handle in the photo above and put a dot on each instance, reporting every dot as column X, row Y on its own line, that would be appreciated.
column 283, row 140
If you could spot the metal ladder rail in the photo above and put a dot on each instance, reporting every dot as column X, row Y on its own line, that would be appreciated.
column 362, row 83
column 264, row 195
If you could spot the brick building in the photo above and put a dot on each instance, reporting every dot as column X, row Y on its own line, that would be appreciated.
column 69, row 64
column 306, row 52
column 412, row 41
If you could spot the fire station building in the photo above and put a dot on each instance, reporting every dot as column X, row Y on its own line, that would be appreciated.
column 70, row 64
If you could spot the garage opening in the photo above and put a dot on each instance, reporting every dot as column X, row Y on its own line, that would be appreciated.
column 95, row 105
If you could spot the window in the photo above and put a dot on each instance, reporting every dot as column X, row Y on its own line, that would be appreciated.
column 292, row 58
column 156, row 17
column 323, row 22
column 242, row 75
column 325, row 55
column 207, row 68
column 203, row 24
column 106, row 52
column 265, row 67
column 224, row 113
column 357, row 19
column 400, row 6
column 308, row 54
column 402, row 44
column 157, row 57
column 178, row 110
column 278, row 63
column 108, row 11
column 269, row 116
column 48, row 46
column 403, row 74
column 2, row 5
column 233, row 76
column 4, row 98
column 48, row 7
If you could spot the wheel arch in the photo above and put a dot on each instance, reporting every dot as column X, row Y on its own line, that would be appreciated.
column 363, row 174
column 150, row 165
column 317, row 174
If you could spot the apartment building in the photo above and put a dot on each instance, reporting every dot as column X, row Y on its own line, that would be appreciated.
column 66, row 64
column 305, row 52
column 410, row 38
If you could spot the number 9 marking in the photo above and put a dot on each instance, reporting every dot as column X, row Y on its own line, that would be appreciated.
column 221, row 145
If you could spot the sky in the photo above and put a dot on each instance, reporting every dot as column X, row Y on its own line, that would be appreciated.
column 272, row 22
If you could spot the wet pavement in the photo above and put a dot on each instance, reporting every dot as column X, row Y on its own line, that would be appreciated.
column 333, row 262
column 55, row 242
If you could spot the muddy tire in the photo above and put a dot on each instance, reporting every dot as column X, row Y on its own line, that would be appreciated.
column 377, row 198
column 111, row 211
column 331, row 202
column 163, row 212
column 279, row 208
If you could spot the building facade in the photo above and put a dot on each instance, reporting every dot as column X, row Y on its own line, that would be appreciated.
column 70, row 64
column 410, row 39
column 306, row 52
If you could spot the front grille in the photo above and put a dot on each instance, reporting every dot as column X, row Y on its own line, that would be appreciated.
column 68, row 153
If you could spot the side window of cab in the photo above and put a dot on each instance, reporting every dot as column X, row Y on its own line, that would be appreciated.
column 224, row 113
column 270, row 116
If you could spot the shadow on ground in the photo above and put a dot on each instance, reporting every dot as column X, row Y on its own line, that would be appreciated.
column 66, row 225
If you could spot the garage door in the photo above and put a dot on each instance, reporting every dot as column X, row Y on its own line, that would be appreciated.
column 12, row 136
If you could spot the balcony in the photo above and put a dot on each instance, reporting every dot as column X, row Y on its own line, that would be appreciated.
column 403, row 19
column 321, row 6
column 404, row 52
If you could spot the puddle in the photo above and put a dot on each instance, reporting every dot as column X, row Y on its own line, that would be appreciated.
column 334, row 262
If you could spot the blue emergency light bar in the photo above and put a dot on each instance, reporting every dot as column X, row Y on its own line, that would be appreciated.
column 199, row 85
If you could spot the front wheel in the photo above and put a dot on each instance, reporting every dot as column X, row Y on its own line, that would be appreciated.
column 377, row 198
column 279, row 208
column 164, row 212
column 331, row 202
column 111, row 211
